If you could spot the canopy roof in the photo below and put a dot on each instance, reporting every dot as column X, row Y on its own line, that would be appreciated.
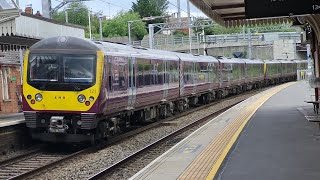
column 8, row 4
column 230, row 13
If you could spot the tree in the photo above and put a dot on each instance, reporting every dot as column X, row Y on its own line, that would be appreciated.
column 147, row 8
column 78, row 14
column 217, row 29
column 118, row 26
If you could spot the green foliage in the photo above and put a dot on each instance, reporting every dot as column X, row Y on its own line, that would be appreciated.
column 178, row 33
column 118, row 26
column 78, row 14
column 221, row 30
column 217, row 29
column 147, row 8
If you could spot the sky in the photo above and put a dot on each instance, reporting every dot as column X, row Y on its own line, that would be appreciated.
column 112, row 7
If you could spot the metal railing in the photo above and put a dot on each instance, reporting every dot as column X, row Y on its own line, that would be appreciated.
column 171, row 41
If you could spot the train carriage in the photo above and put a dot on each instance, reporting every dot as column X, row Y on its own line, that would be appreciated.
column 288, row 70
column 232, row 74
column 254, row 73
column 272, row 71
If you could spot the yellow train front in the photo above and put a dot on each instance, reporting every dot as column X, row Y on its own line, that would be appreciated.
column 61, row 89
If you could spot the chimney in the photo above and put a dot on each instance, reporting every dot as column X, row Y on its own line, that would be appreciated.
column 28, row 9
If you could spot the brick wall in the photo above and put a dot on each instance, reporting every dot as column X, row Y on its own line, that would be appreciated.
column 13, row 103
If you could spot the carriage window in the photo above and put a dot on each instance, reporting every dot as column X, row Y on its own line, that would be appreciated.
column 174, row 71
column 118, row 71
column 140, row 74
column 160, row 72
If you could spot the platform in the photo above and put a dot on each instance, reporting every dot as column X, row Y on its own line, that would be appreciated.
column 11, row 119
column 277, row 142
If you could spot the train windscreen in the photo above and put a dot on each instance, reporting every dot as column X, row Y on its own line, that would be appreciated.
column 69, row 71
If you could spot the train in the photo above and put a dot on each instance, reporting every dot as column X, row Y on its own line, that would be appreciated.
column 77, row 90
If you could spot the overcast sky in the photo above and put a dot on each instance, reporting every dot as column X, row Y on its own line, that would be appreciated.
column 112, row 7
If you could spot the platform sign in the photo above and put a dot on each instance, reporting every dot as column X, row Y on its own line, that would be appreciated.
column 275, row 8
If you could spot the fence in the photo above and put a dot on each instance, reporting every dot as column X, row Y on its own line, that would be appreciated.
column 170, row 42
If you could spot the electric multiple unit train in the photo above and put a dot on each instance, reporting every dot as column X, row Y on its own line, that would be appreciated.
column 76, row 90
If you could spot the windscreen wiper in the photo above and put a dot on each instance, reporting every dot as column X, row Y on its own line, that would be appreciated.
column 48, row 78
column 76, row 88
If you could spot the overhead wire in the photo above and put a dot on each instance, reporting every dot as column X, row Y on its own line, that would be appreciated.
column 114, row 4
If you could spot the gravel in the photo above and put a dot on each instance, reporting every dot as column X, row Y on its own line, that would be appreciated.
column 84, row 166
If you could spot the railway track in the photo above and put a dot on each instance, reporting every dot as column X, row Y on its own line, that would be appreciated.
column 153, row 150
column 33, row 163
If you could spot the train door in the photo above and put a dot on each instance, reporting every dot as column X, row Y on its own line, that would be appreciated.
column 132, row 89
column 211, row 74
column 181, row 77
column 166, row 79
column 194, row 77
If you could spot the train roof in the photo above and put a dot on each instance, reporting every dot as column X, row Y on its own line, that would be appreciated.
column 272, row 61
column 65, row 42
column 204, row 58
column 253, row 61
column 230, row 60
column 300, row 61
column 286, row 61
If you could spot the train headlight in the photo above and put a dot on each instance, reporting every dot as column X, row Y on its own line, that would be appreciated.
column 91, row 98
column 38, row 97
column 81, row 98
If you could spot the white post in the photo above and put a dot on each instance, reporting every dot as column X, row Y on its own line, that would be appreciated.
column 198, row 42
column 18, row 4
column 100, row 22
column 151, row 34
column 21, row 65
column 129, row 31
column 66, row 14
column 204, row 40
column 249, row 43
column 89, row 16
column 189, row 24
column 179, row 11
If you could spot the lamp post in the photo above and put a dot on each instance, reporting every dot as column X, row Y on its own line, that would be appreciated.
column 129, row 31
column 100, row 24
column 89, row 17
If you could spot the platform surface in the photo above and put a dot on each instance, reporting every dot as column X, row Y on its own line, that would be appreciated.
column 278, row 143
column 11, row 119
column 248, row 143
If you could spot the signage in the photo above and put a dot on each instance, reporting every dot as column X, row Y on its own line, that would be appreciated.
column 276, row 8
column 13, row 78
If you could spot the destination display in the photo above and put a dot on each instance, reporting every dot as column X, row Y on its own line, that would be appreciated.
column 275, row 8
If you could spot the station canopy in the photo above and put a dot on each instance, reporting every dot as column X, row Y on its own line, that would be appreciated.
column 7, row 4
column 231, row 13
column 8, row 10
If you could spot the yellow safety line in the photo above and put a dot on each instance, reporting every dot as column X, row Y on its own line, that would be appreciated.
column 237, row 134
